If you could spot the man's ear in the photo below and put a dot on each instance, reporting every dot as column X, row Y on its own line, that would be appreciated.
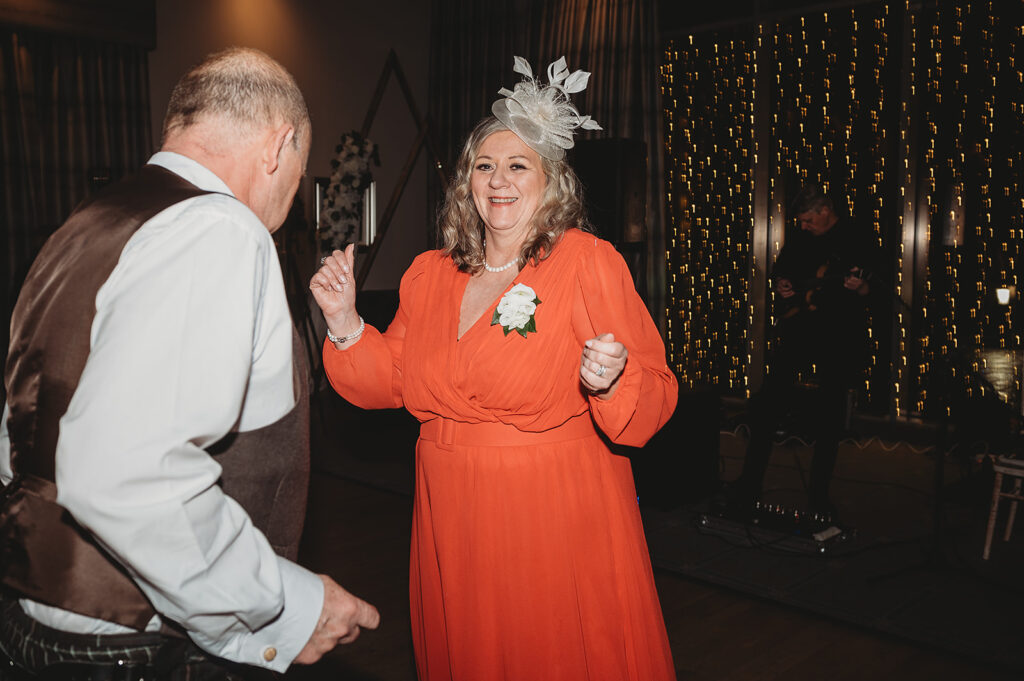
column 276, row 141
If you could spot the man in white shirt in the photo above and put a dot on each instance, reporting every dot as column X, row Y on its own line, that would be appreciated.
column 154, row 444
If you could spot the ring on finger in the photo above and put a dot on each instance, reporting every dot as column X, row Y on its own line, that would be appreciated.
column 323, row 260
column 600, row 370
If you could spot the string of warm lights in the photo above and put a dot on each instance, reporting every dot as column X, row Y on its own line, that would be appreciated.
column 972, row 190
column 910, row 114
column 945, row 132
column 905, row 276
column 710, row 200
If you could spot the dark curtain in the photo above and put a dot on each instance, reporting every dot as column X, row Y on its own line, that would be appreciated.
column 472, row 47
column 74, row 115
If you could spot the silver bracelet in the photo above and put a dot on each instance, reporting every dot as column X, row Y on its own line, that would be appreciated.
column 351, row 337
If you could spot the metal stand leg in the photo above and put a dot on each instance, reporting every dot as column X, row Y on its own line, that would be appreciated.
column 997, row 486
column 1013, row 509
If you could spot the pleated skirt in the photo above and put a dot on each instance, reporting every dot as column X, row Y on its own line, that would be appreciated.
column 529, row 562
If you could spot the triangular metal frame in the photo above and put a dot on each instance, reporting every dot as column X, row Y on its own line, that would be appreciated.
column 424, row 136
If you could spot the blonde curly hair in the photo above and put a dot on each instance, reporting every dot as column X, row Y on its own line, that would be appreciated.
column 461, row 231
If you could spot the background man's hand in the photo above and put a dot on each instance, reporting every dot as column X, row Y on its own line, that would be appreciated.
column 855, row 281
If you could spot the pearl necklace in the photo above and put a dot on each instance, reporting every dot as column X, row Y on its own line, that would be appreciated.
column 502, row 268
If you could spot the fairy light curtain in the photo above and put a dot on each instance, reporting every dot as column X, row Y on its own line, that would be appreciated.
column 709, row 153
column 910, row 114
column 970, row 160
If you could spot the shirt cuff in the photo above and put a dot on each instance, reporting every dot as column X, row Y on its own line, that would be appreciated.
column 275, row 645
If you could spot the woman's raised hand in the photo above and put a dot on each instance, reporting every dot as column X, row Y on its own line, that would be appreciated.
column 601, row 363
column 334, row 289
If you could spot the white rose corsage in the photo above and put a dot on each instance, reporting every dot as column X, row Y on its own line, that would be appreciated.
column 515, row 310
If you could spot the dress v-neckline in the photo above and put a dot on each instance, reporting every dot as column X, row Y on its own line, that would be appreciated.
column 490, row 307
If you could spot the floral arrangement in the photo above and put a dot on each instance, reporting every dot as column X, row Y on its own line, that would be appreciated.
column 516, row 309
column 341, row 209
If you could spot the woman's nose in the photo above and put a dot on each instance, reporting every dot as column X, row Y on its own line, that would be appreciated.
column 498, row 178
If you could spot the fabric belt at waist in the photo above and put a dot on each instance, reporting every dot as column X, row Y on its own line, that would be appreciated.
column 448, row 432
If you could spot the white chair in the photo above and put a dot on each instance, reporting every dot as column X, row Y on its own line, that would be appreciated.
column 1014, row 468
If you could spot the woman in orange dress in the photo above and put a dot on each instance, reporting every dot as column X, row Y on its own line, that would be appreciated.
column 523, row 348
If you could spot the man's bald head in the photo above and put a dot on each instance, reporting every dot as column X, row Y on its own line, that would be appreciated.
column 241, row 89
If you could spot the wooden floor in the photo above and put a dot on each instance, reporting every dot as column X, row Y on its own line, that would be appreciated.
column 360, row 536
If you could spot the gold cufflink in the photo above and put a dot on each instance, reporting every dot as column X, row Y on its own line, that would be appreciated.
column 269, row 654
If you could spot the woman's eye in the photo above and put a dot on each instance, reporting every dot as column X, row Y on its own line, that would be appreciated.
column 518, row 166
column 483, row 166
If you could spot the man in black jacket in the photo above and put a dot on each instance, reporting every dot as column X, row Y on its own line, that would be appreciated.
column 822, row 278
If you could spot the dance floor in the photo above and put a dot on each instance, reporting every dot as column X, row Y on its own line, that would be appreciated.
column 910, row 566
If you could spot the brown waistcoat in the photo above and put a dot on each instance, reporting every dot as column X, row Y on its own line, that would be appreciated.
column 44, row 554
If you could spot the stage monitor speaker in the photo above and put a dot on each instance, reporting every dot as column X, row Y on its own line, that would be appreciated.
column 613, row 172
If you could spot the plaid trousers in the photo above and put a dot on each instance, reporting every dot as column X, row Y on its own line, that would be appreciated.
column 30, row 651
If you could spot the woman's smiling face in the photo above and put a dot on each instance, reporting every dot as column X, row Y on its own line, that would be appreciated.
column 508, row 183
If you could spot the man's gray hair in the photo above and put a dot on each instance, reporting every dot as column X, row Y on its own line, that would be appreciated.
column 811, row 197
column 244, row 85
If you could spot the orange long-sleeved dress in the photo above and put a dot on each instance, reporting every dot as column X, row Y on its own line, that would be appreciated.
column 528, row 556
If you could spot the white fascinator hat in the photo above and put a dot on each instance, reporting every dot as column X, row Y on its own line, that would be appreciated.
column 542, row 115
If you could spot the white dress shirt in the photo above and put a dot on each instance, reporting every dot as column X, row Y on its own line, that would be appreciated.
column 192, row 339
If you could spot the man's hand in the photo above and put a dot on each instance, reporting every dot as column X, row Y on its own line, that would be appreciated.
column 855, row 281
column 341, row 619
